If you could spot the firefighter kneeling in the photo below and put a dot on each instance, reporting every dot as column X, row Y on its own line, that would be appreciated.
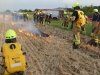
column 13, row 58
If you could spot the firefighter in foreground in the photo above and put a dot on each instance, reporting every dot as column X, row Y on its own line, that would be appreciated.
column 94, row 19
column 13, row 59
column 78, row 20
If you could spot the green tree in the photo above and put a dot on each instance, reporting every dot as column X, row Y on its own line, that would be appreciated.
column 88, row 10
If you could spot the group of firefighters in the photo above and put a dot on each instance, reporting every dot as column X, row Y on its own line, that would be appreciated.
column 79, row 21
column 66, row 19
column 19, row 16
column 42, row 17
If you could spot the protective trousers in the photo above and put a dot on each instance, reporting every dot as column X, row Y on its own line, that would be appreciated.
column 64, row 23
column 96, row 34
column 93, row 24
column 76, row 32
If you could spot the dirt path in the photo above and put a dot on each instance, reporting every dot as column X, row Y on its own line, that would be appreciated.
column 53, row 55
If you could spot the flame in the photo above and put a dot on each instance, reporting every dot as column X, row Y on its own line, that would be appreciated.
column 20, row 30
column 24, row 31
column 28, row 34
column 12, row 23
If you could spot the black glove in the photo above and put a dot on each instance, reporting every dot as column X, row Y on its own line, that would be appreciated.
column 83, row 28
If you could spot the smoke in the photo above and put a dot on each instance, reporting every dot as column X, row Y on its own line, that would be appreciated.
column 29, row 26
column 23, row 24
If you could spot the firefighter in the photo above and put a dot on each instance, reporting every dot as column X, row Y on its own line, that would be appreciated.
column 34, row 17
column 24, row 16
column 94, row 19
column 44, row 18
column 47, row 15
column 12, row 49
column 37, row 17
column 97, row 32
column 64, row 24
column 78, row 20
column 68, row 20
column 49, row 18
column 40, row 18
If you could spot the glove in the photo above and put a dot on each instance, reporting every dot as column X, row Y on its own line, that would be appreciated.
column 83, row 30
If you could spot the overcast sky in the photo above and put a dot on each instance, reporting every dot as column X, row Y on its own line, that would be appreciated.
column 33, row 4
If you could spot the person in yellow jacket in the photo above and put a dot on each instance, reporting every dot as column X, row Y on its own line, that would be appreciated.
column 78, row 20
column 12, row 55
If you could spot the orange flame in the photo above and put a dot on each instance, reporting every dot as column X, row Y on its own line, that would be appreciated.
column 24, row 31
column 12, row 23
column 28, row 34
column 20, row 30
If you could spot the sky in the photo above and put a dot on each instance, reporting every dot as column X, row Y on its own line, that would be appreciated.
column 15, row 5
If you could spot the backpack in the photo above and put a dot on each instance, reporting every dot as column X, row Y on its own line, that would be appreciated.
column 81, row 19
column 13, row 58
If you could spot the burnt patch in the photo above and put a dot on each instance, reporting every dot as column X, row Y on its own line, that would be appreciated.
column 39, row 33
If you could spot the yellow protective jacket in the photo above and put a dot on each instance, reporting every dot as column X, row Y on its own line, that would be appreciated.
column 81, row 19
column 13, row 58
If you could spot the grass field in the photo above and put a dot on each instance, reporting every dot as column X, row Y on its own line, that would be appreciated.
column 58, row 24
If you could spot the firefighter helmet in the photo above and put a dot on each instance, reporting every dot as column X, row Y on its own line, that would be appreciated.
column 10, row 34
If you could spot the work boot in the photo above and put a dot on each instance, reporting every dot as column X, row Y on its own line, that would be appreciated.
column 99, row 43
column 95, row 43
column 75, row 46
column 76, row 42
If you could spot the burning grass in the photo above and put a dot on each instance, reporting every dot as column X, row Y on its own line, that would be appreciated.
column 32, row 33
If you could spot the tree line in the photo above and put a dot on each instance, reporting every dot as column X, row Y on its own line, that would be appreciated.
column 86, row 9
